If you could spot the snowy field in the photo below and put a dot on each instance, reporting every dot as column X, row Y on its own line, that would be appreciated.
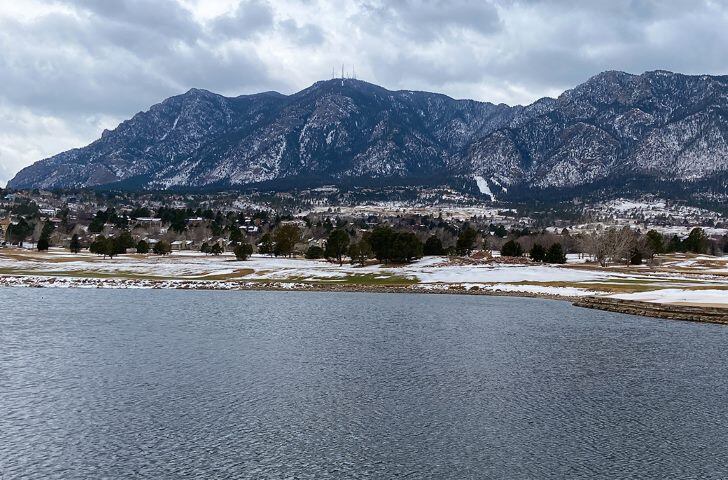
column 709, row 297
column 686, row 279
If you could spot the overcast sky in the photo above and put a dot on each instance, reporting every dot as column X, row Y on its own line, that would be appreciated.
column 70, row 68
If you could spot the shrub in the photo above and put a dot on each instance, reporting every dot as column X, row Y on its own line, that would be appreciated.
column 314, row 252
column 162, row 248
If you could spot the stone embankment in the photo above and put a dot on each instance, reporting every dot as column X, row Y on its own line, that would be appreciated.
column 660, row 310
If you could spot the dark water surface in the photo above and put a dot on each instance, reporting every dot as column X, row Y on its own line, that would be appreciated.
column 192, row 384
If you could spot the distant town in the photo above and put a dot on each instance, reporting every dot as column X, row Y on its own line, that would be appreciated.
column 439, row 221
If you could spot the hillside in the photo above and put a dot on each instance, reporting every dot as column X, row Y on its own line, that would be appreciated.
column 615, row 130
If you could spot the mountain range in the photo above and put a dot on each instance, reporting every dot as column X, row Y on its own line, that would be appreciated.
column 616, row 130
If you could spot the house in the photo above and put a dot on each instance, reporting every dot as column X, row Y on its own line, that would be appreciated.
column 47, row 212
column 298, row 223
column 193, row 222
column 179, row 245
column 316, row 242
column 222, row 242
column 149, row 222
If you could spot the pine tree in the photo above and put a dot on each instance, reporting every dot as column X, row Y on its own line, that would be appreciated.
column 142, row 247
column 537, row 253
column 266, row 244
column 285, row 237
column 243, row 251
column 555, row 254
column 75, row 245
column 433, row 247
column 511, row 249
column 466, row 241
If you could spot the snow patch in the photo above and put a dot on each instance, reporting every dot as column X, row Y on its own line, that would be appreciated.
column 484, row 188
column 675, row 295
column 173, row 127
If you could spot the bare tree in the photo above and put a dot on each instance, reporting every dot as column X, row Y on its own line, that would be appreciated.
column 612, row 245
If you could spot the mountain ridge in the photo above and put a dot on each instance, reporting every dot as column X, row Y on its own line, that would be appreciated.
column 659, row 124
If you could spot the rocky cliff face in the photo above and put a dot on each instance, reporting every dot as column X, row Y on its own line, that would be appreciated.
column 659, row 124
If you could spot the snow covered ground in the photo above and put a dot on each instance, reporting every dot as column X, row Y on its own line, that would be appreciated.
column 681, row 279
column 679, row 296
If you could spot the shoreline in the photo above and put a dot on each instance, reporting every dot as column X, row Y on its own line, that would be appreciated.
column 699, row 314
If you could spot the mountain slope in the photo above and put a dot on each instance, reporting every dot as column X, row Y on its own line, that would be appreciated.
column 659, row 124
column 615, row 126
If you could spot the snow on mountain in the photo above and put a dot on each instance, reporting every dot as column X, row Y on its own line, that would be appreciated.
column 613, row 128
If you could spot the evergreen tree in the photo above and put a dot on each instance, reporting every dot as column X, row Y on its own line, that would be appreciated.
column 99, row 246
column 216, row 249
column 48, row 229
column 285, row 237
column 538, row 253
column 511, row 249
column 360, row 252
column 381, row 240
column 97, row 223
column 675, row 245
column 18, row 232
column 205, row 248
column 697, row 241
column 45, row 235
column 555, row 254
column 406, row 247
column 124, row 241
column 266, row 244
column 142, row 247
column 655, row 243
column 42, row 244
column 635, row 257
column 75, row 245
column 337, row 244
column 236, row 236
column 433, row 247
column 498, row 230
column 466, row 241
column 243, row 251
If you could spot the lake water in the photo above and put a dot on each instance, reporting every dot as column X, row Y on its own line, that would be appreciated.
column 194, row 384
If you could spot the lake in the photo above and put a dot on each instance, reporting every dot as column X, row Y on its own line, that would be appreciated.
column 200, row 384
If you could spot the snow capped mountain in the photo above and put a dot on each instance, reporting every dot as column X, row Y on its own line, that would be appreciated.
column 660, row 125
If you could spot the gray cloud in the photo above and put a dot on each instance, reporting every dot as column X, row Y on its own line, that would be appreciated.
column 248, row 18
column 428, row 20
column 307, row 34
column 70, row 68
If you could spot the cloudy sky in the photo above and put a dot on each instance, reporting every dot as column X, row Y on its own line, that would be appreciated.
column 70, row 68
